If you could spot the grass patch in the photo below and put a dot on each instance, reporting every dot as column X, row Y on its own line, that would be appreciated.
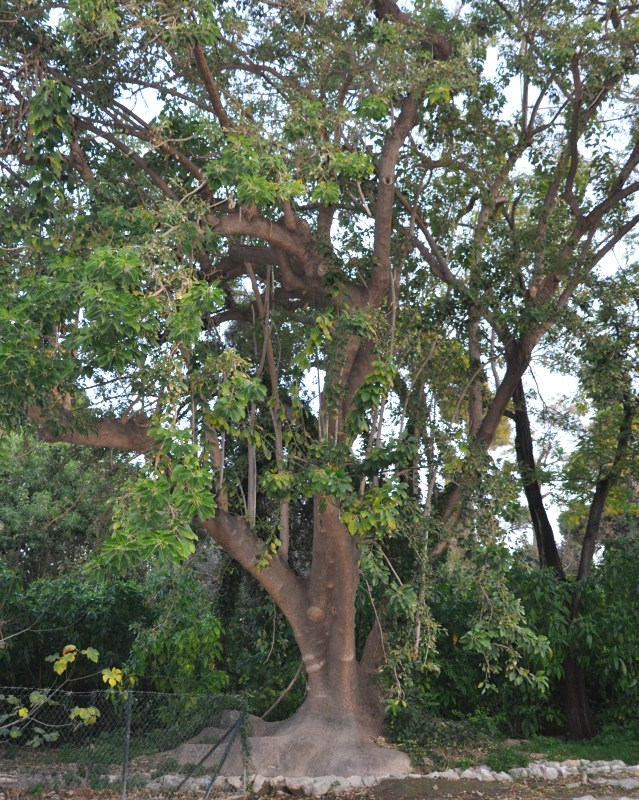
column 610, row 744
column 503, row 757
column 441, row 744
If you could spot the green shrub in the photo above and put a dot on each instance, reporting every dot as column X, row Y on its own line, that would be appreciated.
column 180, row 649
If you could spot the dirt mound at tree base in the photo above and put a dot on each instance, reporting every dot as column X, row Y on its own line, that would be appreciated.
column 295, row 748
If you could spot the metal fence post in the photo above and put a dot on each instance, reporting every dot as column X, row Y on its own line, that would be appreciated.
column 127, row 740
column 245, row 755
column 91, row 747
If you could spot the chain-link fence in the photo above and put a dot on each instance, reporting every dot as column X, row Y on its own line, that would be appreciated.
column 122, row 739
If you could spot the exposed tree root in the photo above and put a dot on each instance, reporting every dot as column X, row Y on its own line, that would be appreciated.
column 303, row 747
column 310, row 748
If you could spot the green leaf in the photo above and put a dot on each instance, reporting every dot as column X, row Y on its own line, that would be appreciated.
column 92, row 654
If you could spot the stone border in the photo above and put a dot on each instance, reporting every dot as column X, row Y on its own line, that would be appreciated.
column 542, row 770
column 610, row 772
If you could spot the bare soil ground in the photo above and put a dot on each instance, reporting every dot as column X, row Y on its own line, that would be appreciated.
column 427, row 789
column 412, row 789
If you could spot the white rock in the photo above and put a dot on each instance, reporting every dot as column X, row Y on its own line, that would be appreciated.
column 260, row 784
column 343, row 788
column 299, row 786
column 550, row 773
column 325, row 784
column 519, row 772
column 171, row 780
column 469, row 774
column 278, row 783
column 628, row 783
column 198, row 784
column 625, row 783
column 330, row 784
column 536, row 771
column 486, row 774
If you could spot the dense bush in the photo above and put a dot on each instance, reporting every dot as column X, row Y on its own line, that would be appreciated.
column 178, row 647
column 468, row 678
column 163, row 632
column 40, row 618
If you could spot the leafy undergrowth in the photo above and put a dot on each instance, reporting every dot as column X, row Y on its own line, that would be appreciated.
column 435, row 743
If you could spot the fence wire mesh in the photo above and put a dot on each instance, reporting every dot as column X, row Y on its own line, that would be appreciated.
column 121, row 739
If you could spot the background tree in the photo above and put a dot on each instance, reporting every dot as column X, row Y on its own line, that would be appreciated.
column 53, row 514
column 597, row 473
column 312, row 174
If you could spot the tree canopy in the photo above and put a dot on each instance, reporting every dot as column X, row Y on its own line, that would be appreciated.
column 300, row 257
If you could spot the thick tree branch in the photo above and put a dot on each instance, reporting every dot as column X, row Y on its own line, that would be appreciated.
column 233, row 264
column 234, row 535
column 615, row 239
column 126, row 433
column 386, row 166
column 211, row 88
column 476, row 388
column 605, row 483
column 518, row 358
column 544, row 534
column 296, row 244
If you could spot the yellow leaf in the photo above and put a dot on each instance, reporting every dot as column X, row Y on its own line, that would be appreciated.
column 112, row 676
column 60, row 666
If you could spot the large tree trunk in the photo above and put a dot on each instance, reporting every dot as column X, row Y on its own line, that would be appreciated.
column 334, row 730
column 580, row 721
column 573, row 694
